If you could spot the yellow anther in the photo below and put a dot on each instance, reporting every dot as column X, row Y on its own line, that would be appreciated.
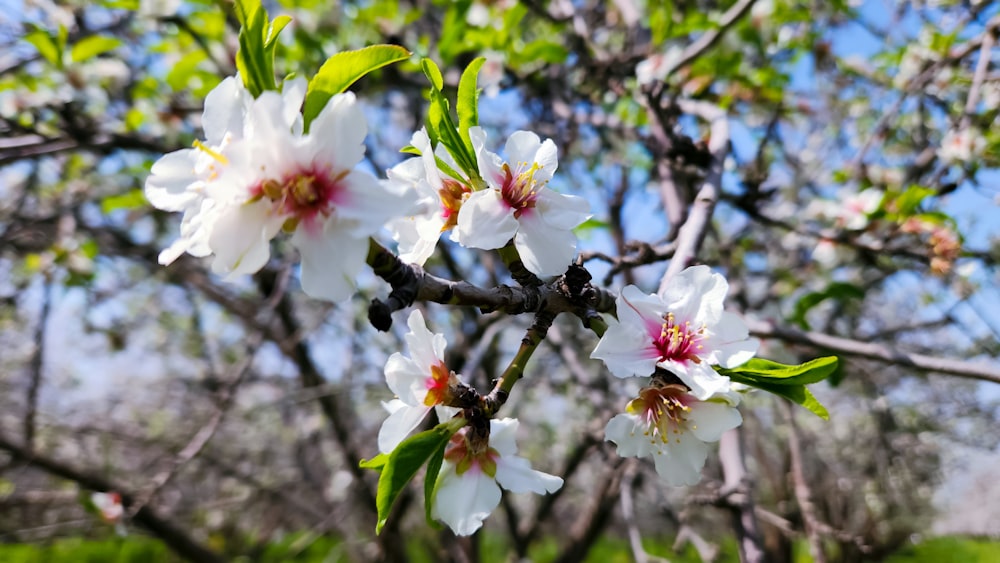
column 215, row 155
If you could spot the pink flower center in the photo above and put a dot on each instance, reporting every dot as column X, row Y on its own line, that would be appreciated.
column 520, row 191
column 678, row 342
column 663, row 410
column 437, row 385
column 465, row 456
column 452, row 195
column 303, row 196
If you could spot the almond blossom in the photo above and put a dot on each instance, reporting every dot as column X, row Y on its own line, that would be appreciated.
column 517, row 203
column 421, row 382
column 682, row 329
column 474, row 469
column 265, row 175
column 674, row 428
column 440, row 198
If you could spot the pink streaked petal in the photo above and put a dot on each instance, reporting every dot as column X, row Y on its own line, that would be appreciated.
column 627, row 351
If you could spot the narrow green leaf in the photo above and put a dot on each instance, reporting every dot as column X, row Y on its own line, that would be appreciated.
column 838, row 290
column 45, row 45
column 468, row 101
column 245, row 10
column 375, row 463
column 277, row 24
column 342, row 70
column 430, row 480
column 433, row 73
column 90, row 47
column 403, row 464
column 774, row 373
column 798, row 394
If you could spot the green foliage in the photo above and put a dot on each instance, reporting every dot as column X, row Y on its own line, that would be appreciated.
column 258, row 40
column 342, row 70
column 441, row 126
column 90, row 47
column 837, row 291
column 399, row 467
column 133, row 549
column 785, row 380
column 949, row 549
column 49, row 47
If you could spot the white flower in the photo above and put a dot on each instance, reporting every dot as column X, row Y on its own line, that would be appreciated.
column 518, row 204
column 421, row 382
column 683, row 329
column 258, row 174
column 467, row 492
column 179, row 180
column 960, row 147
column 109, row 505
column 850, row 211
column 674, row 427
column 440, row 198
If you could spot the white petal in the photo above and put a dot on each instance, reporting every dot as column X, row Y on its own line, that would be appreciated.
column 331, row 260
column 708, row 420
column 370, row 204
column 682, row 462
column 521, row 149
column 464, row 501
column 225, row 107
column 485, row 221
column 171, row 185
column 426, row 348
column 337, row 135
column 696, row 295
column 398, row 426
column 405, row 378
column 701, row 378
column 516, row 475
column 641, row 310
column 561, row 211
column 241, row 238
column 729, row 344
column 545, row 251
column 502, row 434
column 490, row 164
column 626, row 350
column 293, row 93
column 625, row 432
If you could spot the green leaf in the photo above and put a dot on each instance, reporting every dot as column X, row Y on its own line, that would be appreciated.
column 468, row 101
column 839, row 291
column 908, row 202
column 799, row 395
column 46, row 46
column 403, row 464
column 342, row 70
column 132, row 199
column 759, row 370
column 430, row 481
column 90, row 47
column 376, row 463
column 433, row 73
column 245, row 10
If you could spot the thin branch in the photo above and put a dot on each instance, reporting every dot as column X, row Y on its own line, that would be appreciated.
column 803, row 494
column 873, row 351
column 175, row 538
column 36, row 365
column 705, row 42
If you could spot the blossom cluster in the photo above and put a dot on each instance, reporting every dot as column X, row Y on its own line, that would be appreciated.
column 677, row 336
column 258, row 173
column 475, row 466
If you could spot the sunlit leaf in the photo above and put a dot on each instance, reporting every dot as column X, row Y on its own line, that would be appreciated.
column 342, row 70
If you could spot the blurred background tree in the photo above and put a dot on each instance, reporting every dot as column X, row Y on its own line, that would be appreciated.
column 857, row 216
